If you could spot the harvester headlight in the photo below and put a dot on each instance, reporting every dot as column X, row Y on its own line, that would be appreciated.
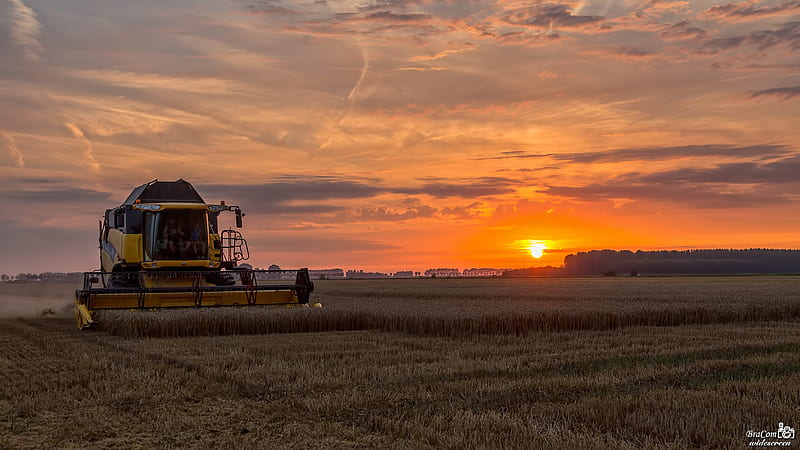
column 216, row 208
column 148, row 207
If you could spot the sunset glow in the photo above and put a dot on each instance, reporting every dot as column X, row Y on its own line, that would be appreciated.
column 537, row 249
column 404, row 135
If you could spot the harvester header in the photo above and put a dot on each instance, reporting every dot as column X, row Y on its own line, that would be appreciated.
column 162, row 248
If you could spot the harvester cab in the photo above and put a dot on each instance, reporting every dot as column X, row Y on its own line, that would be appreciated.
column 162, row 248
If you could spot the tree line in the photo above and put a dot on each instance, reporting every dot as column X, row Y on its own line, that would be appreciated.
column 45, row 276
column 714, row 261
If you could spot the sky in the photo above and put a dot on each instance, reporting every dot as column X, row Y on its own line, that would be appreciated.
column 405, row 134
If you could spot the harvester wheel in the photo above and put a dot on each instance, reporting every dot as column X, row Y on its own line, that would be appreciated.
column 220, row 279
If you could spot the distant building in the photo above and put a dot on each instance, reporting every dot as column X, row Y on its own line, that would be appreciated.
column 326, row 274
column 482, row 272
column 358, row 274
column 404, row 274
column 442, row 273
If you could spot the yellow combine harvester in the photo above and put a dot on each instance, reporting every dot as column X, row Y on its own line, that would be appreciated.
column 162, row 249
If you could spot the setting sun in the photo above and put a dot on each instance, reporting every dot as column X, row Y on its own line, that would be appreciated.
column 537, row 249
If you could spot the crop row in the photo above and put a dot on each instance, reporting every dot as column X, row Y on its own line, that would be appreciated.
column 257, row 320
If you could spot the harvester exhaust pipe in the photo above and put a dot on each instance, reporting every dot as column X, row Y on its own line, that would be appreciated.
column 239, row 216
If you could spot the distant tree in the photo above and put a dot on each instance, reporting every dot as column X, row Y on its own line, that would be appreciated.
column 634, row 273
column 4, row 277
column 610, row 273
column 274, row 267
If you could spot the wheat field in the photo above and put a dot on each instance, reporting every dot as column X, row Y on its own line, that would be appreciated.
column 625, row 384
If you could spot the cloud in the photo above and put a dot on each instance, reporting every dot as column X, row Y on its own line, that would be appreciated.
column 422, row 69
column 682, row 30
column 308, row 243
column 623, row 52
column 787, row 34
column 267, row 7
column 731, row 185
column 550, row 15
column 783, row 93
column 87, row 145
column 25, row 30
column 691, row 196
column 388, row 16
column 382, row 5
column 657, row 153
column 314, row 195
column 527, row 39
column 148, row 81
column 362, row 75
column 290, row 195
column 439, row 55
column 385, row 214
column 59, row 195
column 775, row 172
column 750, row 10
column 14, row 152
column 474, row 188
column 326, row 188
column 294, row 188
column 416, row 211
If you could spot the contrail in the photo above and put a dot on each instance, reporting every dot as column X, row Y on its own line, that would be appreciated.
column 25, row 30
column 19, row 161
column 364, row 69
column 93, row 164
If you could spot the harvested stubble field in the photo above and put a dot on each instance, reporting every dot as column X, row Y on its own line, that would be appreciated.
column 701, row 384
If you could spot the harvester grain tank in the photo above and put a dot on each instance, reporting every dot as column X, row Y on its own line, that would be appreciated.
column 162, row 248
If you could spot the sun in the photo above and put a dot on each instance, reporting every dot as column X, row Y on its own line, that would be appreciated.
column 537, row 249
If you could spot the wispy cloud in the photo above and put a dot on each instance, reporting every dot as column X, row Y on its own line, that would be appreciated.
column 87, row 146
column 727, row 185
column 417, row 211
column 16, row 154
column 657, row 153
column 682, row 30
column 443, row 53
column 362, row 75
column 388, row 16
column 25, row 29
column 787, row 35
column 550, row 15
column 267, row 7
column 750, row 10
column 622, row 52
column 422, row 69
column 474, row 188
column 783, row 93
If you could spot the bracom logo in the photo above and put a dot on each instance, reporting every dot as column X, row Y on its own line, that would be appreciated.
column 783, row 437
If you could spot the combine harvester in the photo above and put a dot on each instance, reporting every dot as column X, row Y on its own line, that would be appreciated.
column 162, row 249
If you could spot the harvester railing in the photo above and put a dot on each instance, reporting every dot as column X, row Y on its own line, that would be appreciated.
column 234, row 247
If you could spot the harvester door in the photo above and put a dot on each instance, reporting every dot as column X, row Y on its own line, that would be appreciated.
column 150, row 236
